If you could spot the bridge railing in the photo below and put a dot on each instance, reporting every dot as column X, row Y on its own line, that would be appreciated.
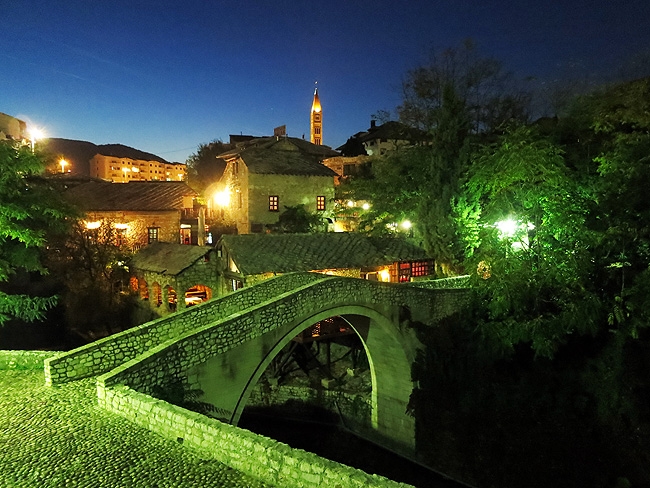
column 105, row 354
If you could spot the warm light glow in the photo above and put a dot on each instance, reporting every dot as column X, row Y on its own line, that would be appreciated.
column 135, row 170
column 350, row 203
column 222, row 198
column 35, row 134
column 406, row 224
column 121, row 226
column 384, row 275
column 339, row 226
column 365, row 206
column 63, row 164
column 93, row 225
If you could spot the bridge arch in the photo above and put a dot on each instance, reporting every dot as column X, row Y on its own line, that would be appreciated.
column 390, row 369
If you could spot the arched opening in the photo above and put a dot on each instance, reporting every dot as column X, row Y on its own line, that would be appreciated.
column 157, row 294
column 172, row 299
column 197, row 294
column 389, row 369
column 321, row 375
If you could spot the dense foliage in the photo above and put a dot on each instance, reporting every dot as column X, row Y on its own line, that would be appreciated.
column 542, row 381
column 30, row 210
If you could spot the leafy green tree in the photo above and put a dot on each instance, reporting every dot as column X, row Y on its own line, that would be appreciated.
column 528, row 246
column 620, row 118
column 30, row 209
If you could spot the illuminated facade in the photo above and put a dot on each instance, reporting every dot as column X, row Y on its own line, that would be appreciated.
column 264, row 176
column 140, row 212
column 123, row 170
column 316, row 121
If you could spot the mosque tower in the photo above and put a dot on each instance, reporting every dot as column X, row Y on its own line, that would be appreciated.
column 316, row 126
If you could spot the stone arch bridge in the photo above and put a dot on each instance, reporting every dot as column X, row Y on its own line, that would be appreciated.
column 223, row 346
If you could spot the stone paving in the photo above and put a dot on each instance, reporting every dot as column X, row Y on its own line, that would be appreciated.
column 58, row 437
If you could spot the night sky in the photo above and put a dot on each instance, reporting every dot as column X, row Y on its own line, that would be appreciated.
column 165, row 76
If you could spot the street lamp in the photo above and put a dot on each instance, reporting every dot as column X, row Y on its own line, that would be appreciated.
column 63, row 164
column 34, row 134
column 222, row 198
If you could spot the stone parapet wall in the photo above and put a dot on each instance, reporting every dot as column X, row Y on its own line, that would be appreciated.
column 265, row 459
column 453, row 282
column 24, row 359
column 105, row 354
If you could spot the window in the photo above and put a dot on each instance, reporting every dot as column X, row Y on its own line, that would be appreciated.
column 152, row 234
column 420, row 268
column 320, row 202
column 317, row 140
column 274, row 203
column 404, row 272
column 316, row 130
column 120, row 238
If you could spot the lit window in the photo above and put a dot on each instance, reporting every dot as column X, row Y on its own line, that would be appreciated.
column 320, row 202
column 420, row 268
column 274, row 203
column 152, row 233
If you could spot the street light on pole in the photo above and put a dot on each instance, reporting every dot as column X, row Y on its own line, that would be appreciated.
column 63, row 164
column 34, row 134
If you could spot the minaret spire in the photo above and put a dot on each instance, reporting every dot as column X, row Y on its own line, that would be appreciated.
column 316, row 125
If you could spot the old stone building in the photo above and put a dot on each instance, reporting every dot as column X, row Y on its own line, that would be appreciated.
column 141, row 212
column 265, row 175
column 173, row 276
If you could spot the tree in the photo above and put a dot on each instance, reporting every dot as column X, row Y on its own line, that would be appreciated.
column 30, row 209
column 204, row 168
column 297, row 220
column 91, row 265
column 483, row 91
column 524, row 221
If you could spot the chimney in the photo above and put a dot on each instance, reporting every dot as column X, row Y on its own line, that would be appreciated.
column 373, row 123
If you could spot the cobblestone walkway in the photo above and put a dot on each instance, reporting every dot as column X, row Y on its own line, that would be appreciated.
column 58, row 437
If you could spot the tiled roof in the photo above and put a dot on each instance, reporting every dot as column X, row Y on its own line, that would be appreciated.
column 98, row 195
column 283, row 155
column 166, row 258
column 283, row 253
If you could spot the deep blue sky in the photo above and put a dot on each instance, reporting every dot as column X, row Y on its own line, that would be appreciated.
column 165, row 76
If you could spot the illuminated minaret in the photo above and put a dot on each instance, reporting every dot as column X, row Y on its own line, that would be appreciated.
column 316, row 120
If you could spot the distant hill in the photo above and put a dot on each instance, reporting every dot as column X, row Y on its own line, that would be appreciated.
column 79, row 153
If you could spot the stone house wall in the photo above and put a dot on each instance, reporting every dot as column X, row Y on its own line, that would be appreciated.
column 167, row 222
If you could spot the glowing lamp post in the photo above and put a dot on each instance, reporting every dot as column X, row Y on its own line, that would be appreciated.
column 63, row 164
column 34, row 135
column 222, row 200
